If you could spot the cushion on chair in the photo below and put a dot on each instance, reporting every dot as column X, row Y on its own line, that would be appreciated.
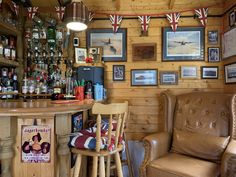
column 198, row 145
column 177, row 165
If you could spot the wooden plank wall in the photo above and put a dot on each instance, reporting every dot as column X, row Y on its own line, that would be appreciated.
column 231, row 88
column 145, row 103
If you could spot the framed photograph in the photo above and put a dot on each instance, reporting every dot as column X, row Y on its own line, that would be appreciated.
column 168, row 77
column 232, row 18
column 143, row 77
column 230, row 73
column 213, row 37
column 213, row 54
column 80, row 55
column 95, row 53
column 189, row 72
column 118, row 72
column 114, row 45
column 144, row 52
column 209, row 72
column 186, row 44
column 77, row 122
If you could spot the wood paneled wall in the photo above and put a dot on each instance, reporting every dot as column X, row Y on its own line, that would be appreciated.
column 231, row 88
column 145, row 103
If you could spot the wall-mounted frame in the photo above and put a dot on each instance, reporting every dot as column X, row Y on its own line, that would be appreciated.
column 213, row 54
column 118, row 72
column 186, row 44
column 144, row 52
column 144, row 77
column 114, row 45
column 229, row 44
column 230, row 73
column 232, row 18
column 168, row 77
column 209, row 72
column 95, row 53
column 80, row 55
column 189, row 72
column 212, row 37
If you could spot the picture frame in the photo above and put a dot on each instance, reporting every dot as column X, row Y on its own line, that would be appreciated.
column 213, row 54
column 118, row 72
column 213, row 37
column 95, row 53
column 80, row 55
column 209, row 72
column 230, row 73
column 189, row 72
column 144, row 77
column 144, row 52
column 232, row 18
column 77, row 122
column 168, row 77
column 185, row 44
column 114, row 45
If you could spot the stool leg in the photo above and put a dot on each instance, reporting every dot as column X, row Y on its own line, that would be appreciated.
column 108, row 166
column 101, row 167
column 95, row 166
column 77, row 165
column 118, row 165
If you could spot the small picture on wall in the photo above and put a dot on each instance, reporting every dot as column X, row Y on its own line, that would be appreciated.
column 232, row 18
column 118, row 72
column 212, row 37
column 80, row 55
column 144, row 52
column 168, row 78
column 230, row 73
column 213, row 54
column 209, row 72
column 189, row 72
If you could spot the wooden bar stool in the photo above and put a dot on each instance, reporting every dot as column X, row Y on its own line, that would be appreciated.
column 111, row 135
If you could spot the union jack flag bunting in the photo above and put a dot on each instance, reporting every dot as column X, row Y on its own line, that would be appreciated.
column 144, row 19
column 173, row 19
column 16, row 8
column 115, row 22
column 31, row 12
column 91, row 15
column 60, row 12
column 202, row 15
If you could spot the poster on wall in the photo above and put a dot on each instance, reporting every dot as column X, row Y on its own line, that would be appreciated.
column 35, row 144
column 229, row 43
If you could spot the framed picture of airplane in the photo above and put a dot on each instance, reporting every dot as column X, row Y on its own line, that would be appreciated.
column 185, row 44
column 114, row 45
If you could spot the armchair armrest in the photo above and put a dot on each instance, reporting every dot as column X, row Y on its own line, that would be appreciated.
column 155, row 145
column 228, row 166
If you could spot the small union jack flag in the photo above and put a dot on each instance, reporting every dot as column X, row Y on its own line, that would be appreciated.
column 173, row 19
column 60, row 12
column 16, row 8
column 31, row 12
column 115, row 22
column 202, row 15
column 144, row 22
column 91, row 15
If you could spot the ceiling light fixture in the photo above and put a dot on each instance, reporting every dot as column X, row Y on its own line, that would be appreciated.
column 76, row 16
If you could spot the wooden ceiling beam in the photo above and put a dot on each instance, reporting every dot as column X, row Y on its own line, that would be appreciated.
column 171, row 5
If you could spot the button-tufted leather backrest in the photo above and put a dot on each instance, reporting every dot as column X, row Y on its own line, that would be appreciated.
column 203, row 112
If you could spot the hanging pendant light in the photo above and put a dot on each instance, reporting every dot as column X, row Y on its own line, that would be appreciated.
column 76, row 16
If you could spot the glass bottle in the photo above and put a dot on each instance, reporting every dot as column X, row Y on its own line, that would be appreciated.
column 25, row 84
column 51, row 37
column 15, row 85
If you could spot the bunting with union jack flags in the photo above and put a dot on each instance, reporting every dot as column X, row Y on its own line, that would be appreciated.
column 91, row 15
column 31, row 12
column 144, row 19
column 173, row 19
column 60, row 12
column 16, row 8
column 115, row 22
column 202, row 15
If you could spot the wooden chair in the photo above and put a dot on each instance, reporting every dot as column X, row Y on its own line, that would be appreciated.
column 117, row 112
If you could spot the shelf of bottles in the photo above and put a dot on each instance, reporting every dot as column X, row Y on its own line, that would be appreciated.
column 44, row 57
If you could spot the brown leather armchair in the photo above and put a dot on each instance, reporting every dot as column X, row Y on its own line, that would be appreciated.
column 199, row 138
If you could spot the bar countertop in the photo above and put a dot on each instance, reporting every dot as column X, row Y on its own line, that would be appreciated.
column 43, row 107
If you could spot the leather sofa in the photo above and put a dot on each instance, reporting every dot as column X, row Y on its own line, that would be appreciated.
column 199, row 139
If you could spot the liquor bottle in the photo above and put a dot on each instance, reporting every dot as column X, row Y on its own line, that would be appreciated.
column 25, row 84
column 12, row 48
column 10, row 84
column 51, row 37
column 1, row 46
column 6, row 49
column 15, row 85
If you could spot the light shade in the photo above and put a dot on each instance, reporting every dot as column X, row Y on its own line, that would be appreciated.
column 76, row 16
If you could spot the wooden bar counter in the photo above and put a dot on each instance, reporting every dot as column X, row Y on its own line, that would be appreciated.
column 14, row 115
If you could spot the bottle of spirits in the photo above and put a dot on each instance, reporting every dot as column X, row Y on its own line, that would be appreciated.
column 13, row 47
column 6, row 49
column 25, row 87
column 1, row 46
column 4, row 82
column 15, row 86
column 10, row 85
column 51, row 37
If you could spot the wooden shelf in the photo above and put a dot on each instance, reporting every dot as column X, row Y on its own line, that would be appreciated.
column 88, row 64
column 8, row 29
column 6, row 62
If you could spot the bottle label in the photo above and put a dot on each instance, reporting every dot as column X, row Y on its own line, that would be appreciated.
column 24, row 89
